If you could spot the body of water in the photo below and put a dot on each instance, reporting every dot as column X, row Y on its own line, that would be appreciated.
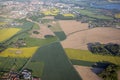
column 106, row 6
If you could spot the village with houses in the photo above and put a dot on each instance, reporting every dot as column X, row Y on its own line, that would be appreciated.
column 59, row 39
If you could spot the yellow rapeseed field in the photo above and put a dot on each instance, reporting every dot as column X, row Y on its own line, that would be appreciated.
column 117, row 15
column 2, row 23
column 68, row 15
column 19, row 52
column 52, row 12
column 86, row 55
column 6, row 33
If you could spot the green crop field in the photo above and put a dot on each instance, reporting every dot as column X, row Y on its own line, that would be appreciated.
column 24, row 34
column 56, row 64
column 93, row 14
column 39, row 42
column 61, row 35
column 31, row 42
column 85, row 55
column 58, row 31
column 4, row 33
column 6, row 63
column 26, row 26
column 55, row 27
column 36, row 67
column 82, row 63
column 36, row 26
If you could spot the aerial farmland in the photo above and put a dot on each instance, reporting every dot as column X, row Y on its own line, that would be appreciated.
column 59, row 40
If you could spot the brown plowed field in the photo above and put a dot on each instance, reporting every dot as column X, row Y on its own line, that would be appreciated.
column 44, row 30
column 79, row 38
column 71, row 26
column 118, row 75
column 86, row 73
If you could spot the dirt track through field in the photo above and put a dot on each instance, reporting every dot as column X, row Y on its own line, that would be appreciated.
column 76, row 32
column 71, row 26
column 79, row 36
column 86, row 73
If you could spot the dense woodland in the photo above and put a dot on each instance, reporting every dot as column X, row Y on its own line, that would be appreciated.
column 104, row 49
column 110, row 73
column 2, row 47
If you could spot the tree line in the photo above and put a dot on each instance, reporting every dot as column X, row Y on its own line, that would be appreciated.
column 110, row 48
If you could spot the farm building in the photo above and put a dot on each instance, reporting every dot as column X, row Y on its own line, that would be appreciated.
column 26, row 74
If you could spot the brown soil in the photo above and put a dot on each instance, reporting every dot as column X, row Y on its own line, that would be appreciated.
column 79, row 36
column 86, row 73
column 48, row 17
column 72, row 26
column 43, row 31
column 118, row 75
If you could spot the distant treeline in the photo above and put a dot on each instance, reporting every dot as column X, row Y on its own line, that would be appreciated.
column 2, row 47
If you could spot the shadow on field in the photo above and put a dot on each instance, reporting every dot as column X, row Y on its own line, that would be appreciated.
column 98, row 67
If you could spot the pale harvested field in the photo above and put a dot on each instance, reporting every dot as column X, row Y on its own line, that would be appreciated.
column 48, row 17
column 86, row 73
column 79, row 40
column 71, row 26
column 118, row 75
column 44, row 30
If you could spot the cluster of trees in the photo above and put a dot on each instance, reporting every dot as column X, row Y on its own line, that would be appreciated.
column 62, row 17
column 35, row 32
column 114, row 49
column 96, row 22
column 110, row 48
column 2, row 47
column 49, row 26
column 106, row 70
column 83, row 19
column 48, row 36
column 110, row 73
